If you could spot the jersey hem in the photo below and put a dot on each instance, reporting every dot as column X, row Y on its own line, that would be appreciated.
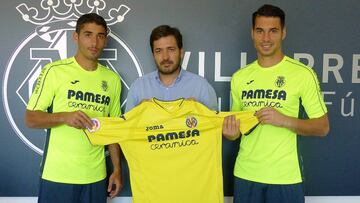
column 259, row 180
column 67, row 181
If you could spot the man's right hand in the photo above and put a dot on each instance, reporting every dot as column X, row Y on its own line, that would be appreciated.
column 77, row 119
column 231, row 128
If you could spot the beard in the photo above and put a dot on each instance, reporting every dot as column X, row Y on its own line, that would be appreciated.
column 168, row 67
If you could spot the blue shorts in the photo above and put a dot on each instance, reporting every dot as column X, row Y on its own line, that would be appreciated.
column 53, row 192
column 252, row 192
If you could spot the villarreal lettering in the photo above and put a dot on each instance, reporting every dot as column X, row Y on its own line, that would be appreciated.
column 174, row 139
column 89, row 97
column 264, row 94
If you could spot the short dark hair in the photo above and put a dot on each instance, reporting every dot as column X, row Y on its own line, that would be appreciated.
column 90, row 18
column 269, row 11
column 164, row 31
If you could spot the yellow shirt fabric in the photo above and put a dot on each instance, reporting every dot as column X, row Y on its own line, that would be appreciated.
column 173, row 149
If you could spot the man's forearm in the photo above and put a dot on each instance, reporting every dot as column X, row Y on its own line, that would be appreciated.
column 40, row 119
column 114, row 150
column 309, row 127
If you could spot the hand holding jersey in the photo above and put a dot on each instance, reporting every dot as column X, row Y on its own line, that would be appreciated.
column 271, row 116
column 76, row 119
column 231, row 127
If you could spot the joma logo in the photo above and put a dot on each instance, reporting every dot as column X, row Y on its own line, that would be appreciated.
column 155, row 127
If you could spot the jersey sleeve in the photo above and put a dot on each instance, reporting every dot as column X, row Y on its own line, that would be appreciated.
column 236, row 103
column 108, row 130
column 44, row 90
column 248, row 120
column 311, row 97
column 115, row 107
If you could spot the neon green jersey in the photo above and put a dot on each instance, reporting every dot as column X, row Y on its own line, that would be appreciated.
column 173, row 149
column 63, row 86
column 269, row 153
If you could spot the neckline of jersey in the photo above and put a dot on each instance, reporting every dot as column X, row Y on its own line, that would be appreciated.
column 78, row 66
column 271, row 68
column 170, row 106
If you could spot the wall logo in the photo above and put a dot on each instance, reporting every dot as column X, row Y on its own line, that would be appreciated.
column 52, row 40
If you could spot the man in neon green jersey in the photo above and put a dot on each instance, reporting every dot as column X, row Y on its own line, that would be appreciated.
column 267, row 167
column 68, row 92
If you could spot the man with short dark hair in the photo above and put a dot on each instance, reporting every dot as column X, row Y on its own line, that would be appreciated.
column 267, row 167
column 170, row 81
column 68, row 92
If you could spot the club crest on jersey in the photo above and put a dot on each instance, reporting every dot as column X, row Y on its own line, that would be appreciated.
column 191, row 122
column 96, row 125
column 280, row 81
column 104, row 85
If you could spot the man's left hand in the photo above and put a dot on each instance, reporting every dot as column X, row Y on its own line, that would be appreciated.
column 115, row 179
column 272, row 116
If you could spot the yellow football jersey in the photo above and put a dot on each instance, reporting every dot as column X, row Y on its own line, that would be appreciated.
column 173, row 149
